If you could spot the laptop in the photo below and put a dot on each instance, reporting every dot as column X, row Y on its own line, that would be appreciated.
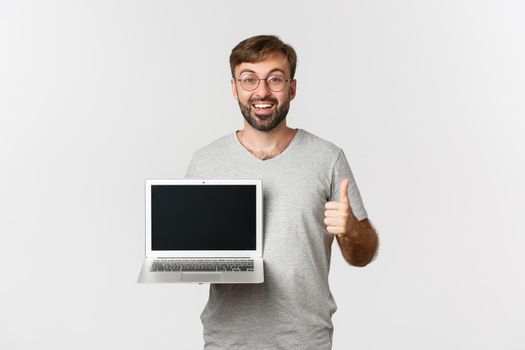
column 203, row 231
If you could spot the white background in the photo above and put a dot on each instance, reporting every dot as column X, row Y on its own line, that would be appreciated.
column 425, row 97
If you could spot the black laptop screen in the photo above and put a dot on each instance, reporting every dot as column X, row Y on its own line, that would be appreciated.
column 203, row 217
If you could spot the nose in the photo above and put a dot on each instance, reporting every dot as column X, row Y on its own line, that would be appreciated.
column 262, row 90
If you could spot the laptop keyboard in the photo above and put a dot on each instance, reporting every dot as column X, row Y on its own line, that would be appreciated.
column 202, row 265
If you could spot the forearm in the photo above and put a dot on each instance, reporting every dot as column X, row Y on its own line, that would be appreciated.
column 359, row 247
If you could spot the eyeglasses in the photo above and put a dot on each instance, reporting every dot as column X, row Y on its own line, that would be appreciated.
column 251, row 82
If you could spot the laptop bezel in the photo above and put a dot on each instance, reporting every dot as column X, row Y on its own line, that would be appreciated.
column 205, row 253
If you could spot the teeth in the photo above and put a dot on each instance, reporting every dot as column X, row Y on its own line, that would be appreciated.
column 263, row 105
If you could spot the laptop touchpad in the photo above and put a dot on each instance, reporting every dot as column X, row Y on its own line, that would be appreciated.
column 201, row 276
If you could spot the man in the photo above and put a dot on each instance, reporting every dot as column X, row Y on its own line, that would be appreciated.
column 310, row 197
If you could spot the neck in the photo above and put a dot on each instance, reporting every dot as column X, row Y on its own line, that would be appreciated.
column 266, row 141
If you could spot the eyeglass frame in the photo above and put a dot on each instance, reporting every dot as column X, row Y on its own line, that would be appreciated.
column 266, row 80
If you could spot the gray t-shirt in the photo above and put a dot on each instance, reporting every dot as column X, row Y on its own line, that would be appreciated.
column 293, row 308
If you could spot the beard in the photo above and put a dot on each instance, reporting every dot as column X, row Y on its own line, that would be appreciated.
column 264, row 122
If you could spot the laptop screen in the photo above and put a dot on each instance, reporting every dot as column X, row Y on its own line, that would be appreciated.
column 203, row 217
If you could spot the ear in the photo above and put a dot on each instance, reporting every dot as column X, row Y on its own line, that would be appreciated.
column 293, row 89
column 234, row 89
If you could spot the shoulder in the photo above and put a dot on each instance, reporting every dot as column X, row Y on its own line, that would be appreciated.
column 214, row 149
column 319, row 145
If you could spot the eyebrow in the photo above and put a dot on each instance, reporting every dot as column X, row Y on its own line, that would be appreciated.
column 272, row 71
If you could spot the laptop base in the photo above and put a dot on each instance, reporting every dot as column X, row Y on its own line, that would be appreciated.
column 255, row 276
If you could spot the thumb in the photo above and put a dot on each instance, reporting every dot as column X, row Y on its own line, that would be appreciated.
column 343, row 191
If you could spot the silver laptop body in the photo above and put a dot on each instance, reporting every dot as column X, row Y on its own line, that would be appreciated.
column 203, row 231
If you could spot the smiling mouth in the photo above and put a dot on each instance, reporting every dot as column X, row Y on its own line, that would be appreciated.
column 263, row 108
column 263, row 105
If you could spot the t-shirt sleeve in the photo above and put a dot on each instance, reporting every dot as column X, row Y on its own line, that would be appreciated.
column 340, row 171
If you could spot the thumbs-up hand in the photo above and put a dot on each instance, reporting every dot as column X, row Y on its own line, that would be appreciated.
column 339, row 219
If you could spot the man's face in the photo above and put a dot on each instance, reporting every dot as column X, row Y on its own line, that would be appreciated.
column 263, row 108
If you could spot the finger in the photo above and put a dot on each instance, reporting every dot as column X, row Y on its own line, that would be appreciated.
column 335, row 230
column 333, row 214
column 334, row 222
column 343, row 191
column 335, row 206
